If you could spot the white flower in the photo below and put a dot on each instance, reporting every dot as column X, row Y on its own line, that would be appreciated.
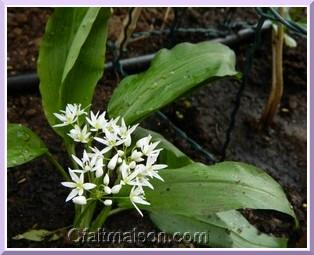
column 112, row 126
column 124, row 170
column 70, row 115
column 108, row 202
column 146, row 146
column 111, row 140
column 139, row 177
column 97, row 122
column 79, row 135
column 80, row 200
column 143, row 141
column 96, row 153
column 137, row 197
column 134, row 166
column 90, row 164
column 137, row 156
column 152, row 169
column 125, row 133
column 78, row 186
column 129, row 176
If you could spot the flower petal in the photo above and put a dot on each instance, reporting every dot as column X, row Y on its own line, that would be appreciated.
column 72, row 194
column 139, row 211
column 88, row 186
column 74, row 177
column 69, row 184
column 139, row 200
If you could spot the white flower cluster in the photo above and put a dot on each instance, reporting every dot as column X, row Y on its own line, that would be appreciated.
column 115, row 162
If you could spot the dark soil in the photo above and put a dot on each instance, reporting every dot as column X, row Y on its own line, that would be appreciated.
column 35, row 196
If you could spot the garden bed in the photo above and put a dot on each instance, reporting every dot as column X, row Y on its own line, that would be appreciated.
column 36, row 197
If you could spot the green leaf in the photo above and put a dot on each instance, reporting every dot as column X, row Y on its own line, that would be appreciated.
column 38, row 235
column 195, row 213
column 197, row 190
column 172, row 73
column 170, row 154
column 23, row 145
column 227, row 229
column 71, row 58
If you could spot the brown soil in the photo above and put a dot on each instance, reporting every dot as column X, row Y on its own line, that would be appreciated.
column 35, row 196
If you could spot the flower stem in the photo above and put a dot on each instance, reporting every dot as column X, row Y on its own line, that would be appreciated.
column 277, row 76
column 101, row 218
column 117, row 210
column 58, row 166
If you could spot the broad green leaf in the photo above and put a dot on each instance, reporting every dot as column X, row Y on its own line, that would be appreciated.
column 224, row 228
column 71, row 58
column 23, row 145
column 38, row 235
column 172, row 73
column 170, row 154
column 227, row 229
column 197, row 190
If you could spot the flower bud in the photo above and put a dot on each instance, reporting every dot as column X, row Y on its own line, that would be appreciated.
column 99, row 172
column 108, row 202
column 120, row 153
column 80, row 200
column 128, row 141
column 106, row 179
column 116, row 189
column 113, row 162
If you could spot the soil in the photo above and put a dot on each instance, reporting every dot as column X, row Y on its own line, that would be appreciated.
column 204, row 115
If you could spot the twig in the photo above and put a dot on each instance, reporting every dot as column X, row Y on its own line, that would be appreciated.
column 165, row 18
column 129, row 24
column 277, row 76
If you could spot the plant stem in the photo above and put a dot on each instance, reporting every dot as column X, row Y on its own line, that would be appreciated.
column 84, row 214
column 58, row 166
column 101, row 218
column 277, row 76
column 117, row 210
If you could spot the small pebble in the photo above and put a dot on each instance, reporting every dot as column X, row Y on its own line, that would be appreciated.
column 17, row 31
column 30, row 113
column 293, row 104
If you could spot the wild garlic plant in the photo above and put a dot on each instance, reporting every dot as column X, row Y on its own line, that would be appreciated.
column 110, row 159
column 114, row 161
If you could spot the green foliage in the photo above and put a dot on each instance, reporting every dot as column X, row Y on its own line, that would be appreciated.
column 23, row 145
column 200, row 190
column 298, row 15
column 224, row 229
column 38, row 235
column 172, row 73
column 71, row 58
column 197, row 198
column 194, row 197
